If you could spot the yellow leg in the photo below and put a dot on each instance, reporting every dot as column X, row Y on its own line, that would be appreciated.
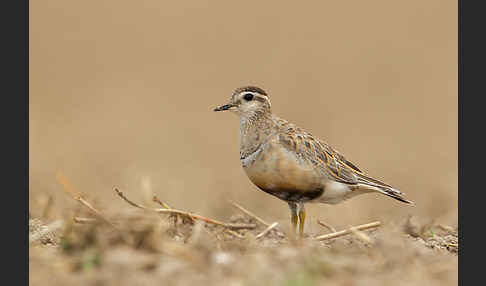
column 301, row 219
column 293, row 216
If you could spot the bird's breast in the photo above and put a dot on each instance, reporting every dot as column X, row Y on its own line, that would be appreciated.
column 273, row 168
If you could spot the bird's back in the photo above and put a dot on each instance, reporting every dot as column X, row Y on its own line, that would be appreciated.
column 292, row 163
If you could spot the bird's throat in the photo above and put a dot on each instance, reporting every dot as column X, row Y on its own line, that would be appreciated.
column 254, row 131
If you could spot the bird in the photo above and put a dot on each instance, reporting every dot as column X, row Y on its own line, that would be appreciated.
column 288, row 162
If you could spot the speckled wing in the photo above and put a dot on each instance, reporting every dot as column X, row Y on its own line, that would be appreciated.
column 320, row 154
column 330, row 162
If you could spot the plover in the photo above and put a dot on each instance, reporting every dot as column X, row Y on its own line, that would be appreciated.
column 289, row 163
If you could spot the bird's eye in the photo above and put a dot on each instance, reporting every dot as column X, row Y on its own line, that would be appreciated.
column 248, row 96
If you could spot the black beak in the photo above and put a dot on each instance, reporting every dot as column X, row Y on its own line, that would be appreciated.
column 224, row 107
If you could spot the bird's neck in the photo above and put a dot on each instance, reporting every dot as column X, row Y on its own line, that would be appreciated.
column 255, row 129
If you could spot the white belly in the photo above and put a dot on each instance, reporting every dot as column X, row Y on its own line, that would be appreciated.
column 335, row 192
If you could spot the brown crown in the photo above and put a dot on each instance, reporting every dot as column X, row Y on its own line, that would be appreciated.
column 250, row 89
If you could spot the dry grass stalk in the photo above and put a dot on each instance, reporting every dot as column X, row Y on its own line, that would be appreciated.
column 328, row 226
column 250, row 214
column 166, row 206
column 234, row 233
column 348, row 231
column 47, row 207
column 268, row 229
column 187, row 214
column 361, row 235
column 95, row 211
column 84, row 220
column 161, row 203
column 69, row 189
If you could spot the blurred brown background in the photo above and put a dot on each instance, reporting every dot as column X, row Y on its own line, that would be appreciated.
column 121, row 94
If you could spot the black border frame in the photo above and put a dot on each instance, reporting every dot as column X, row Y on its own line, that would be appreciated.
column 15, row 139
column 471, row 65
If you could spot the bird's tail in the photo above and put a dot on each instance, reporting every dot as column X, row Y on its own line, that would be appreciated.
column 373, row 184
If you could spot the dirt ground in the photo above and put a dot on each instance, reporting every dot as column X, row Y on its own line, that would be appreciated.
column 143, row 248
column 121, row 95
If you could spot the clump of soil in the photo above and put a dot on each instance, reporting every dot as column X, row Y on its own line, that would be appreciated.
column 435, row 236
column 43, row 234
